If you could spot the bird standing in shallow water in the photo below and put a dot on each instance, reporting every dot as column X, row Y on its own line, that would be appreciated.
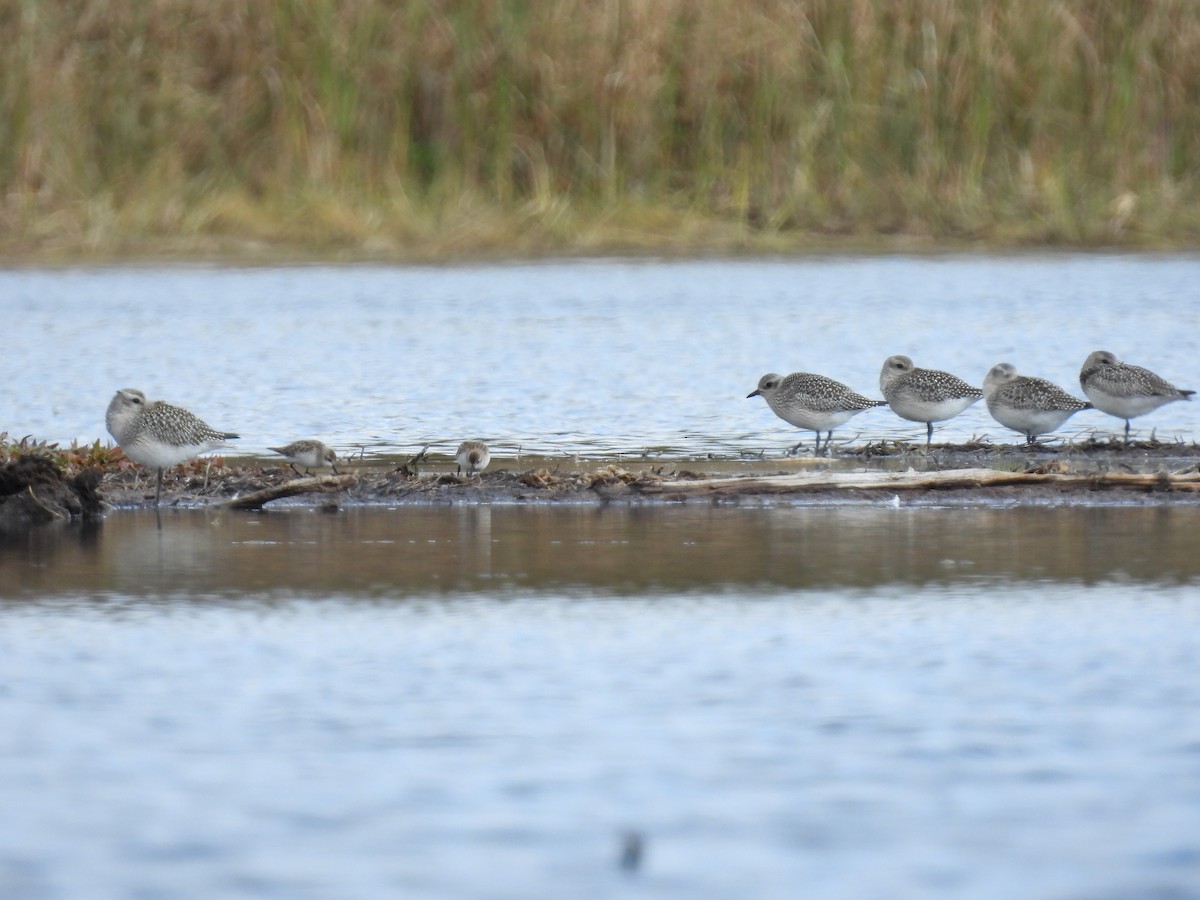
column 473, row 456
column 310, row 454
column 924, row 395
column 1029, row 405
column 811, row 401
column 156, row 434
column 1123, row 390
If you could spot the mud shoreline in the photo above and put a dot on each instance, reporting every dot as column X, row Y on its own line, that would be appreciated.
column 1102, row 474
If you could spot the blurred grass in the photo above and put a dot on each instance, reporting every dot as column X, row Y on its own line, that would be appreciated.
column 446, row 128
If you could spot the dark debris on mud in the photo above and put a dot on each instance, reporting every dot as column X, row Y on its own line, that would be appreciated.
column 33, row 489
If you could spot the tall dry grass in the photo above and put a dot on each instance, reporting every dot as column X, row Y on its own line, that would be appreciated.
column 447, row 126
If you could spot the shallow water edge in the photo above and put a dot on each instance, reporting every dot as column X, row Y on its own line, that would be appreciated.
column 613, row 549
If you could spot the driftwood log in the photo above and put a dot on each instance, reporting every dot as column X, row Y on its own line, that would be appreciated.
column 953, row 479
column 324, row 484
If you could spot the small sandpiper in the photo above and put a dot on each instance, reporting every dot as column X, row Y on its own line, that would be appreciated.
column 156, row 434
column 1026, row 404
column 924, row 395
column 472, row 456
column 309, row 454
column 1123, row 390
column 811, row 401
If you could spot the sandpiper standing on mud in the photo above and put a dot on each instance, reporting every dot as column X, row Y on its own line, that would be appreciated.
column 924, row 395
column 1123, row 390
column 473, row 457
column 1026, row 404
column 308, row 453
column 811, row 401
column 156, row 434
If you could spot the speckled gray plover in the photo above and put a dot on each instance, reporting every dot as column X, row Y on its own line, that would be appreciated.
column 924, row 395
column 472, row 456
column 1124, row 390
column 1026, row 404
column 811, row 401
column 309, row 454
column 156, row 434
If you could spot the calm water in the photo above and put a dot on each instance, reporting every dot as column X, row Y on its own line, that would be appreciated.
column 581, row 357
column 599, row 550
column 465, row 702
column 478, row 701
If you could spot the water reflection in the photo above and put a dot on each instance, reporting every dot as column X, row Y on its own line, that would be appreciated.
column 609, row 549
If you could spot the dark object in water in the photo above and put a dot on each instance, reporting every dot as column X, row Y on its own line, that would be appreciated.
column 632, row 848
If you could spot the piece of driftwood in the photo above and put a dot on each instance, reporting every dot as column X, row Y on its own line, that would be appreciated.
column 315, row 484
column 812, row 482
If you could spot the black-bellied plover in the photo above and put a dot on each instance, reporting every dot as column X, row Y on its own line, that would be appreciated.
column 473, row 456
column 308, row 453
column 1124, row 390
column 811, row 401
column 1026, row 404
column 924, row 395
column 156, row 434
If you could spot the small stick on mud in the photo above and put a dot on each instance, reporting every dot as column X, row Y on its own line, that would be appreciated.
column 316, row 484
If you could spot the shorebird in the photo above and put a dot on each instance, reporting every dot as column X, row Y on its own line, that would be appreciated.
column 924, row 395
column 1026, row 404
column 473, row 456
column 156, row 434
column 811, row 401
column 307, row 453
column 1123, row 390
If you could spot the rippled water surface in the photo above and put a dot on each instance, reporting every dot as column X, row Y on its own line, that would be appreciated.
column 589, row 357
column 952, row 742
